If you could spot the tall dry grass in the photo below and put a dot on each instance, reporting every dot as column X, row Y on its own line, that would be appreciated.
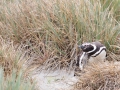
column 105, row 76
column 49, row 31
column 59, row 25
column 13, row 66
column 14, row 82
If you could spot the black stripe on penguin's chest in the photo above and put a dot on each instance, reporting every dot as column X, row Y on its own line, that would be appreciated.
column 97, row 49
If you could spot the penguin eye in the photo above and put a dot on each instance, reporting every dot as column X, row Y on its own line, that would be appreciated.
column 86, row 46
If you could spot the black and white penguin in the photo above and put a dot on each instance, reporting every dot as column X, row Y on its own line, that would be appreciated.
column 91, row 52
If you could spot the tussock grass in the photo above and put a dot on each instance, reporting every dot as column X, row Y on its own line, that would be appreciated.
column 14, row 82
column 59, row 25
column 13, row 67
column 47, row 32
column 11, row 57
column 105, row 76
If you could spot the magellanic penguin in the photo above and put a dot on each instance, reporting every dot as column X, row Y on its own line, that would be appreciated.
column 91, row 52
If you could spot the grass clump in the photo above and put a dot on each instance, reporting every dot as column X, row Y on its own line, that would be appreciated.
column 59, row 26
column 105, row 76
column 13, row 74
column 58, row 20
column 62, row 22
column 47, row 32
column 14, row 82
column 11, row 57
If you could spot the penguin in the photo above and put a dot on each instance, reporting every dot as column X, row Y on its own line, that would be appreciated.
column 91, row 53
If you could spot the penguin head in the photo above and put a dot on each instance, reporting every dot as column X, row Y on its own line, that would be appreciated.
column 87, row 47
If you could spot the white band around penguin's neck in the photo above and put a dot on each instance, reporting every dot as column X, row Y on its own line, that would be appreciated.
column 101, row 48
column 94, row 48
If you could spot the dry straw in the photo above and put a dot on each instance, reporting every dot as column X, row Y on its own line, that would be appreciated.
column 100, row 76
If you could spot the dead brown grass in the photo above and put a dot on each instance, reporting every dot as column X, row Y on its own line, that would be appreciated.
column 50, row 30
column 47, row 32
column 100, row 76
column 12, row 57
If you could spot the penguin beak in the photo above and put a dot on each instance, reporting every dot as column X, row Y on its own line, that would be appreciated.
column 81, row 46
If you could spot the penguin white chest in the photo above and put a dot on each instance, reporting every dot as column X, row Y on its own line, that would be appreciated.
column 99, row 58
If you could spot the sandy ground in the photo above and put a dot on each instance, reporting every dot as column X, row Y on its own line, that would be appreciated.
column 57, row 80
